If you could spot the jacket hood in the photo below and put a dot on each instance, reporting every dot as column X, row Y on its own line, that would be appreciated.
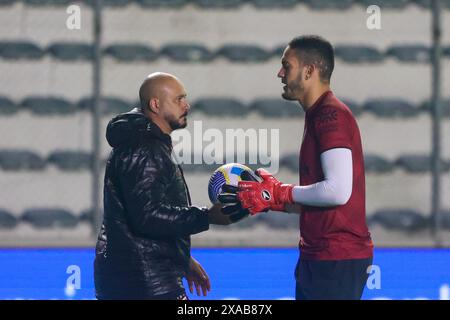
column 128, row 129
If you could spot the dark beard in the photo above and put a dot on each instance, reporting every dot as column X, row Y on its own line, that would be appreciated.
column 174, row 124
column 294, row 89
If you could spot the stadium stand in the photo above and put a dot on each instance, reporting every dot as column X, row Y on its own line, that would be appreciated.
column 229, row 69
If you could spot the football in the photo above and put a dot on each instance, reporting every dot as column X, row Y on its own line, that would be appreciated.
column 230, row 173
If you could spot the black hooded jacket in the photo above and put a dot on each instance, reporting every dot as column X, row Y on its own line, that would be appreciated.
column 143, row 248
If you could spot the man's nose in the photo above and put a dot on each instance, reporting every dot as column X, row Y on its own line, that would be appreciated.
column 188, row 106
column 281, row 73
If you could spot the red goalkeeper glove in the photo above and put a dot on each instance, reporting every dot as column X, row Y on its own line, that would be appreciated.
column 269, row 194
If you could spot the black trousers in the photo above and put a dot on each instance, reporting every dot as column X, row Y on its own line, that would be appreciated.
column 331, row 280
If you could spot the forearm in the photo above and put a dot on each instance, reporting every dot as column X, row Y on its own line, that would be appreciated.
column 336, row 188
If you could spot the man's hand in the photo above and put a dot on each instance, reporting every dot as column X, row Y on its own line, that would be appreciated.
column 270, row 194
column 198, row 277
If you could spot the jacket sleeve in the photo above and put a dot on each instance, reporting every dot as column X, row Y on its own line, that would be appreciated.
column 143, row 185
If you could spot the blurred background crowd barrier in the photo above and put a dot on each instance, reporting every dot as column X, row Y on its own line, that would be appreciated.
column 227, row 53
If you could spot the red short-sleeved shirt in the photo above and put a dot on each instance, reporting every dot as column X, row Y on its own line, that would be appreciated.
column 340, row 232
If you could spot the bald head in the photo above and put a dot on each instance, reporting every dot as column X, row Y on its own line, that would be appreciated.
column 156, row 86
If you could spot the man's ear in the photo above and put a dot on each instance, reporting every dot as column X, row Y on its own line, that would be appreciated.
column 153, row 105
column 309, row 71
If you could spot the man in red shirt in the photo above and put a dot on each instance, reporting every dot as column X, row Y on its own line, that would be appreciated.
column 335, row 244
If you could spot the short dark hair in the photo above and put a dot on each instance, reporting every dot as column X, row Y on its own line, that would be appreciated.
column 315, row 50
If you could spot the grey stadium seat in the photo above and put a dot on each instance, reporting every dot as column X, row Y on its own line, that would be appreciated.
column 71, row 51
column 71, row 160
column 7, row 2
column 329, row 4
column 7, row 220
column 391, row 108
column 20, row 50
column 162, row 3
column 400, row 220
column 7, row 106
column 48, row 105
column 427, row 3
column 187, row 52
column 220, row 107
column 47, row 2
column 356, row 108
column 276, row 108
column 219, row 4
column 416, row 163
column 388, row 4
column 445, row 107
column 410, row 53
column 377, row 164
column 108, row 105
column 445, row 219
column 20, row 160
column 116, row 3
column 280, row 220
column 131, row 52
column 263, row 4
column 49, row 218
column 358, row 54
column 290, row 162
column 244, row 53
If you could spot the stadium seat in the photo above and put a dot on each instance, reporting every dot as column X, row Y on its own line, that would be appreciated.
column 415, row 163
column 427, row 3
column 391, row 108
column 410, row 53
column 20, row 50
column 48, row 106
column 218, row 4
column 7, row 106
column 187, row 52
column 400, row 220
column 356, row 108
column 48, row 2
column 20, row 160
column 263, row 4
column 377, row 164
column 7, row 2
column 244, row 53
column 220, row 107
column 116, row 3
column 329, row 4
column 162, row 3
column 279, row 220
column 445, row 219
column 276, row 108
column 70, row 160
column 445, row 107
column 290, row 162
column 7, row 220
column 388, row 4
column 278, row 52
column 71, row 51
column 358, row 54
column 108, row 105
column 49, row 218
column 131, row 52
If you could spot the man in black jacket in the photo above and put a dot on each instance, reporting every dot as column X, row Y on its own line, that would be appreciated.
column 143, row 249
